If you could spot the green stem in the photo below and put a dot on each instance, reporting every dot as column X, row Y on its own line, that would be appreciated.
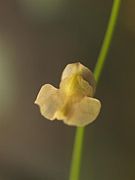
column 107, row 39
column 79, row 136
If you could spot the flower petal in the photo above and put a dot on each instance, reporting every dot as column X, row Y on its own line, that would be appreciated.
column 76, row 87
column 49, row 101
column 79, row 69
column 84, row 112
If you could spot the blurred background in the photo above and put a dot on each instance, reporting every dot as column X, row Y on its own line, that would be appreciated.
column 38, row 38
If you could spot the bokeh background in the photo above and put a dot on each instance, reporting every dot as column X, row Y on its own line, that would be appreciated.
column 37, row 39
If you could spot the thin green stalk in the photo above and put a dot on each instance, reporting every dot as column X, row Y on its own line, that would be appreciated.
column 79, row 136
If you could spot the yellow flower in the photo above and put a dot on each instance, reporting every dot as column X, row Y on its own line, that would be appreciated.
column 73, row 102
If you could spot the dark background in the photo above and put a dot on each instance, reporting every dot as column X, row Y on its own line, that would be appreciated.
column 37, row 39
